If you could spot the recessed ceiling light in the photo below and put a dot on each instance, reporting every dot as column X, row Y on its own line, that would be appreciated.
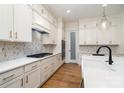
column 68, row 11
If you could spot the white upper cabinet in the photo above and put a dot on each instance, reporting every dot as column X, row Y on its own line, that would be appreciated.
column 16, row 23
column 82, row 36
column 87, row 34
column 90, row 34
column 37, row 19
column 6, row 18
column 51, row 37
column 90, row 30
column 22, row 23
column 113, row 34
column 45, row 19
column 100, row 37
column 40, row 17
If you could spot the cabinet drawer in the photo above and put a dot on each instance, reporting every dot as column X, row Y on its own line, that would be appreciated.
column 45, row 76
column 5, row 77
column 32, row 66
column 17, row 82
column 45, row 67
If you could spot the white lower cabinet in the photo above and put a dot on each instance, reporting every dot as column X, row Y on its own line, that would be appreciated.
column 15, row 83
column 49, row 66
column 32, row 75
column 32, row 79
column 12, row 79
column 45, row 75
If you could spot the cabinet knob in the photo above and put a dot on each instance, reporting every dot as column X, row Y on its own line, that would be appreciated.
column 10, row 34
column 33, row 67
column 96, row 42
column 85, row 42
column 16, row 35
column 110, row 42
column 26, row 79
column 42, row 11
column 22, row 82
column 84, row 25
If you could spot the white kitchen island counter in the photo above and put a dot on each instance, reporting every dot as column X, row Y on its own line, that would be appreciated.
column 99, row 74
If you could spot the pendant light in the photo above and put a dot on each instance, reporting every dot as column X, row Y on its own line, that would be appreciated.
column 104, row 23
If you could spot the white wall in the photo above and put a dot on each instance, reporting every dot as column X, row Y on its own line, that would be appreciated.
column 71, row 26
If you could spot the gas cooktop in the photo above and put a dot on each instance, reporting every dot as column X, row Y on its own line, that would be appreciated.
column 40, row 55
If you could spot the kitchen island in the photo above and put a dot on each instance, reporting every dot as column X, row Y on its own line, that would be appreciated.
column 97, row 73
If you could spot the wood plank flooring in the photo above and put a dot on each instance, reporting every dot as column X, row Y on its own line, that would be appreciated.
column 68, row 76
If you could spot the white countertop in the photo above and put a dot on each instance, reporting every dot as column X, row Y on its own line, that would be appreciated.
column 98, row 74
column 9, row 65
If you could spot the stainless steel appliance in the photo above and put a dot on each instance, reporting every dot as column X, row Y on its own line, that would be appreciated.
column 63, row 49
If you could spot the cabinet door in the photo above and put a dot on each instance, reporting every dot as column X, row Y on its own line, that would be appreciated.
column 50, row 38
column 38, row 19
column 100, row 37
column 90, row 36
column 22, row 23
column 112, row 35
column 32, row 79
column 82, row 37
column 15, row 83
column 38, row 8
column 116, row 35
column 6, row 25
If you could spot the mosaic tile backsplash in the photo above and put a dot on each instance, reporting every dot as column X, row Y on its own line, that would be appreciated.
column 13, row 50
column 92, row 49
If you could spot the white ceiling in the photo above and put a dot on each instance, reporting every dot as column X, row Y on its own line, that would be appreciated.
column 83, row 10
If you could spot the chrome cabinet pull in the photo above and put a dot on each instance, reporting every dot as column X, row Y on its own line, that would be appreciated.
column 10, row 34
column 42, row 11
column 52, row 64
column 26, row 79
column 96, row 42
column 16, row 35
column 85, row 42
column 110, row 42
column 46, row 67
column 33, row 67
column 22, row 82
column 8, row 77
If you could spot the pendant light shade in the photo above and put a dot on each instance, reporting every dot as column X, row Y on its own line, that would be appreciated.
column 104, row 23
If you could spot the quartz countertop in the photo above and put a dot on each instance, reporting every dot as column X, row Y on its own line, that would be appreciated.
column 99, row 74
column 12, row 64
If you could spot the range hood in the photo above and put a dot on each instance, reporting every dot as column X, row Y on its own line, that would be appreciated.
column 40, row 29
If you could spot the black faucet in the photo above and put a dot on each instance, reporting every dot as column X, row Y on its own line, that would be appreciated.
column 110, row 54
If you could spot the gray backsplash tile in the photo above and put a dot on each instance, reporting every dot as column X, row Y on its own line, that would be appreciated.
column 92, row 49
column 13, row 50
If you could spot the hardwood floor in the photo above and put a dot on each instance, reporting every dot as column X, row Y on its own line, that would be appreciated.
column 68, row 76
